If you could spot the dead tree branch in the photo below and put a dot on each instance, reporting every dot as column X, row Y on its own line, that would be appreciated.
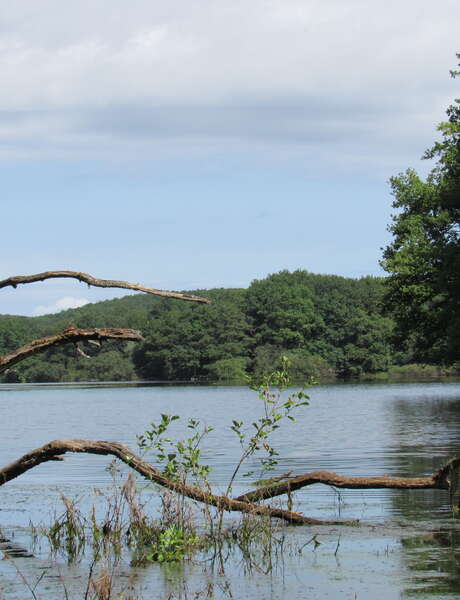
column 445, row 479
column 440, row 480
column 72, row 334
column 54, row 451
column 69, row 335
column 90, row 280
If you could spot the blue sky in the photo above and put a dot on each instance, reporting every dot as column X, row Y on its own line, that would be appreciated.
column 193, row 145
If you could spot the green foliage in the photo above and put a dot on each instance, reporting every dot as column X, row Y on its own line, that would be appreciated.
column 329, row 326
column 282, row 311
column 423, row 290
column 179, row 459
column 228, row 369
column 173, row 544
column 275, row 408
column 336, row 321
column 304, row 366
column 182, row 339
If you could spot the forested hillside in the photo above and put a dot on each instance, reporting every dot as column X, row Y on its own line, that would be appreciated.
column 329, row 326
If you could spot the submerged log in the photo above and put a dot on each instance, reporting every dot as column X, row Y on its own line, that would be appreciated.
column 440, row 480
column 447, row 478
column 54, row 451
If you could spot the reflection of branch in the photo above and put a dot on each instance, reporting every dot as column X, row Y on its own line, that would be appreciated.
column 440, row 480
column 90, row 280
column 69, row 335
column 55, row 449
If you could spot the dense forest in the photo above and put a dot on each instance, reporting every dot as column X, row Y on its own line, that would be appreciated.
column 329, row 326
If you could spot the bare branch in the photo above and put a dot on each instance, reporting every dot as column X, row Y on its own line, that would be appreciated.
column 105, row 283
column 70, row 335
column 81, row 352
column 439, row 480
column 54, row 451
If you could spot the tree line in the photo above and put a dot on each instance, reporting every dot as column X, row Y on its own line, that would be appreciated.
column 329, row 327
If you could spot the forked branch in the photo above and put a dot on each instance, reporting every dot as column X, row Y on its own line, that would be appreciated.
column 105, row 283
column 69, row 335
column 445, row 478
column 54, row 451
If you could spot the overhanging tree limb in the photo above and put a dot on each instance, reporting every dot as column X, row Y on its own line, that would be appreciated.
column 69, row 335
column 96, row 282
column 72, row 334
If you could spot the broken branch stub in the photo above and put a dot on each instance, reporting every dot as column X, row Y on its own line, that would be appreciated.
column 451, row 474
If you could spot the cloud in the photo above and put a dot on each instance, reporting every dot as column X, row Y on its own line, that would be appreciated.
column 103, row 78
column 62, row 304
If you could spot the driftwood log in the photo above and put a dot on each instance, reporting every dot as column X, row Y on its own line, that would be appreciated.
column 445, row 479
column 54, row 451
column 440, row 480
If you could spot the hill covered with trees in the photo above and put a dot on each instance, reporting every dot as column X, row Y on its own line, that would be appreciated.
column 329, row 326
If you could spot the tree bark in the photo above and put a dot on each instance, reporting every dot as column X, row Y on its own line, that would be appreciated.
column 54, row 451
column 90, row 280
column 70, row 335
column 440, row 480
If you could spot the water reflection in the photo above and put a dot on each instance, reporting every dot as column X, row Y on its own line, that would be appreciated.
column 433, row 561
column 426, row 427
column 426, row 433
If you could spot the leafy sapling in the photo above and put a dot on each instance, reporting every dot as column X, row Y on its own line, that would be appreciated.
column 179, row 459
column 276, row 407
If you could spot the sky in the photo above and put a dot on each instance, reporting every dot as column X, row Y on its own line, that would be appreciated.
column 207, row 143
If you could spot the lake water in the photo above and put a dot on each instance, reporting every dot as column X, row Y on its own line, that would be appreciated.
column 408, row 544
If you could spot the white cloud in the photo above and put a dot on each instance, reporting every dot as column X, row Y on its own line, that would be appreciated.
column 62, row 304
column 85, row 78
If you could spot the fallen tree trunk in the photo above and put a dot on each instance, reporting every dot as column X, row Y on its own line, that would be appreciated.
column 446, row 478
column 70, row 335
column 105, row 283
column 441, row 480
column 54, row 451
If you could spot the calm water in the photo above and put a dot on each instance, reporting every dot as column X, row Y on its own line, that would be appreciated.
column 408, row 543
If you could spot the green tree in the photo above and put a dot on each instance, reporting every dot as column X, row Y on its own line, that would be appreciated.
column 423, row 289
column 183, row 341
column 281, row 309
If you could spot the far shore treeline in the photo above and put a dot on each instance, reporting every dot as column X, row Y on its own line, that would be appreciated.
column 330, row 327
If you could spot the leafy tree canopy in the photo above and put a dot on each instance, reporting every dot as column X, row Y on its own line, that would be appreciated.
column 423, row 289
